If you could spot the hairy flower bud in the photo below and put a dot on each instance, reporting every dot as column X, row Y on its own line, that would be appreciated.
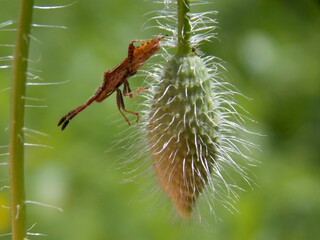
column 191, row 117
column 184, row 130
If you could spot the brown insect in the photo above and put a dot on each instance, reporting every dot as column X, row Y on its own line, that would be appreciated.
column 119, row 75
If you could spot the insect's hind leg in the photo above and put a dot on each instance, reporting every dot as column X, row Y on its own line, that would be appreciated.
column 140, row 40
column 122, row 108
column 132, row 47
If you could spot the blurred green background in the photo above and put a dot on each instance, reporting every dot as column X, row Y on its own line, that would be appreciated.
column 272, row 53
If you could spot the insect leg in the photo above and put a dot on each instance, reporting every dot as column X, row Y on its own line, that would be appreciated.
column 127, row 91
column 141, row 40
column 121, row 107
column 131, row 49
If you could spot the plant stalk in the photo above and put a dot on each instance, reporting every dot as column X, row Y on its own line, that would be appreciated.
column 184, row 28
column 16, row 142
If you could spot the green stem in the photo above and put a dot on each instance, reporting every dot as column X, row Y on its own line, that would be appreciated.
column 20, row 65
column 184, row 27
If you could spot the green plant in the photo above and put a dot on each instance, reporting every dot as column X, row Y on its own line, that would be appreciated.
column 21, row 76
column 16, row 142
column 192, row 122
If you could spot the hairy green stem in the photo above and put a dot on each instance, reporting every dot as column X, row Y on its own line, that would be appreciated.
column 184, row 28
column 20, row 65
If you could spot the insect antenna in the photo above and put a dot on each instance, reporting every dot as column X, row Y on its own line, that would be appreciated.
column 64, row 121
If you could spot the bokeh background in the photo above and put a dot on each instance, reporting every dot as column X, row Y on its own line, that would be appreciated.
column 271, row 49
